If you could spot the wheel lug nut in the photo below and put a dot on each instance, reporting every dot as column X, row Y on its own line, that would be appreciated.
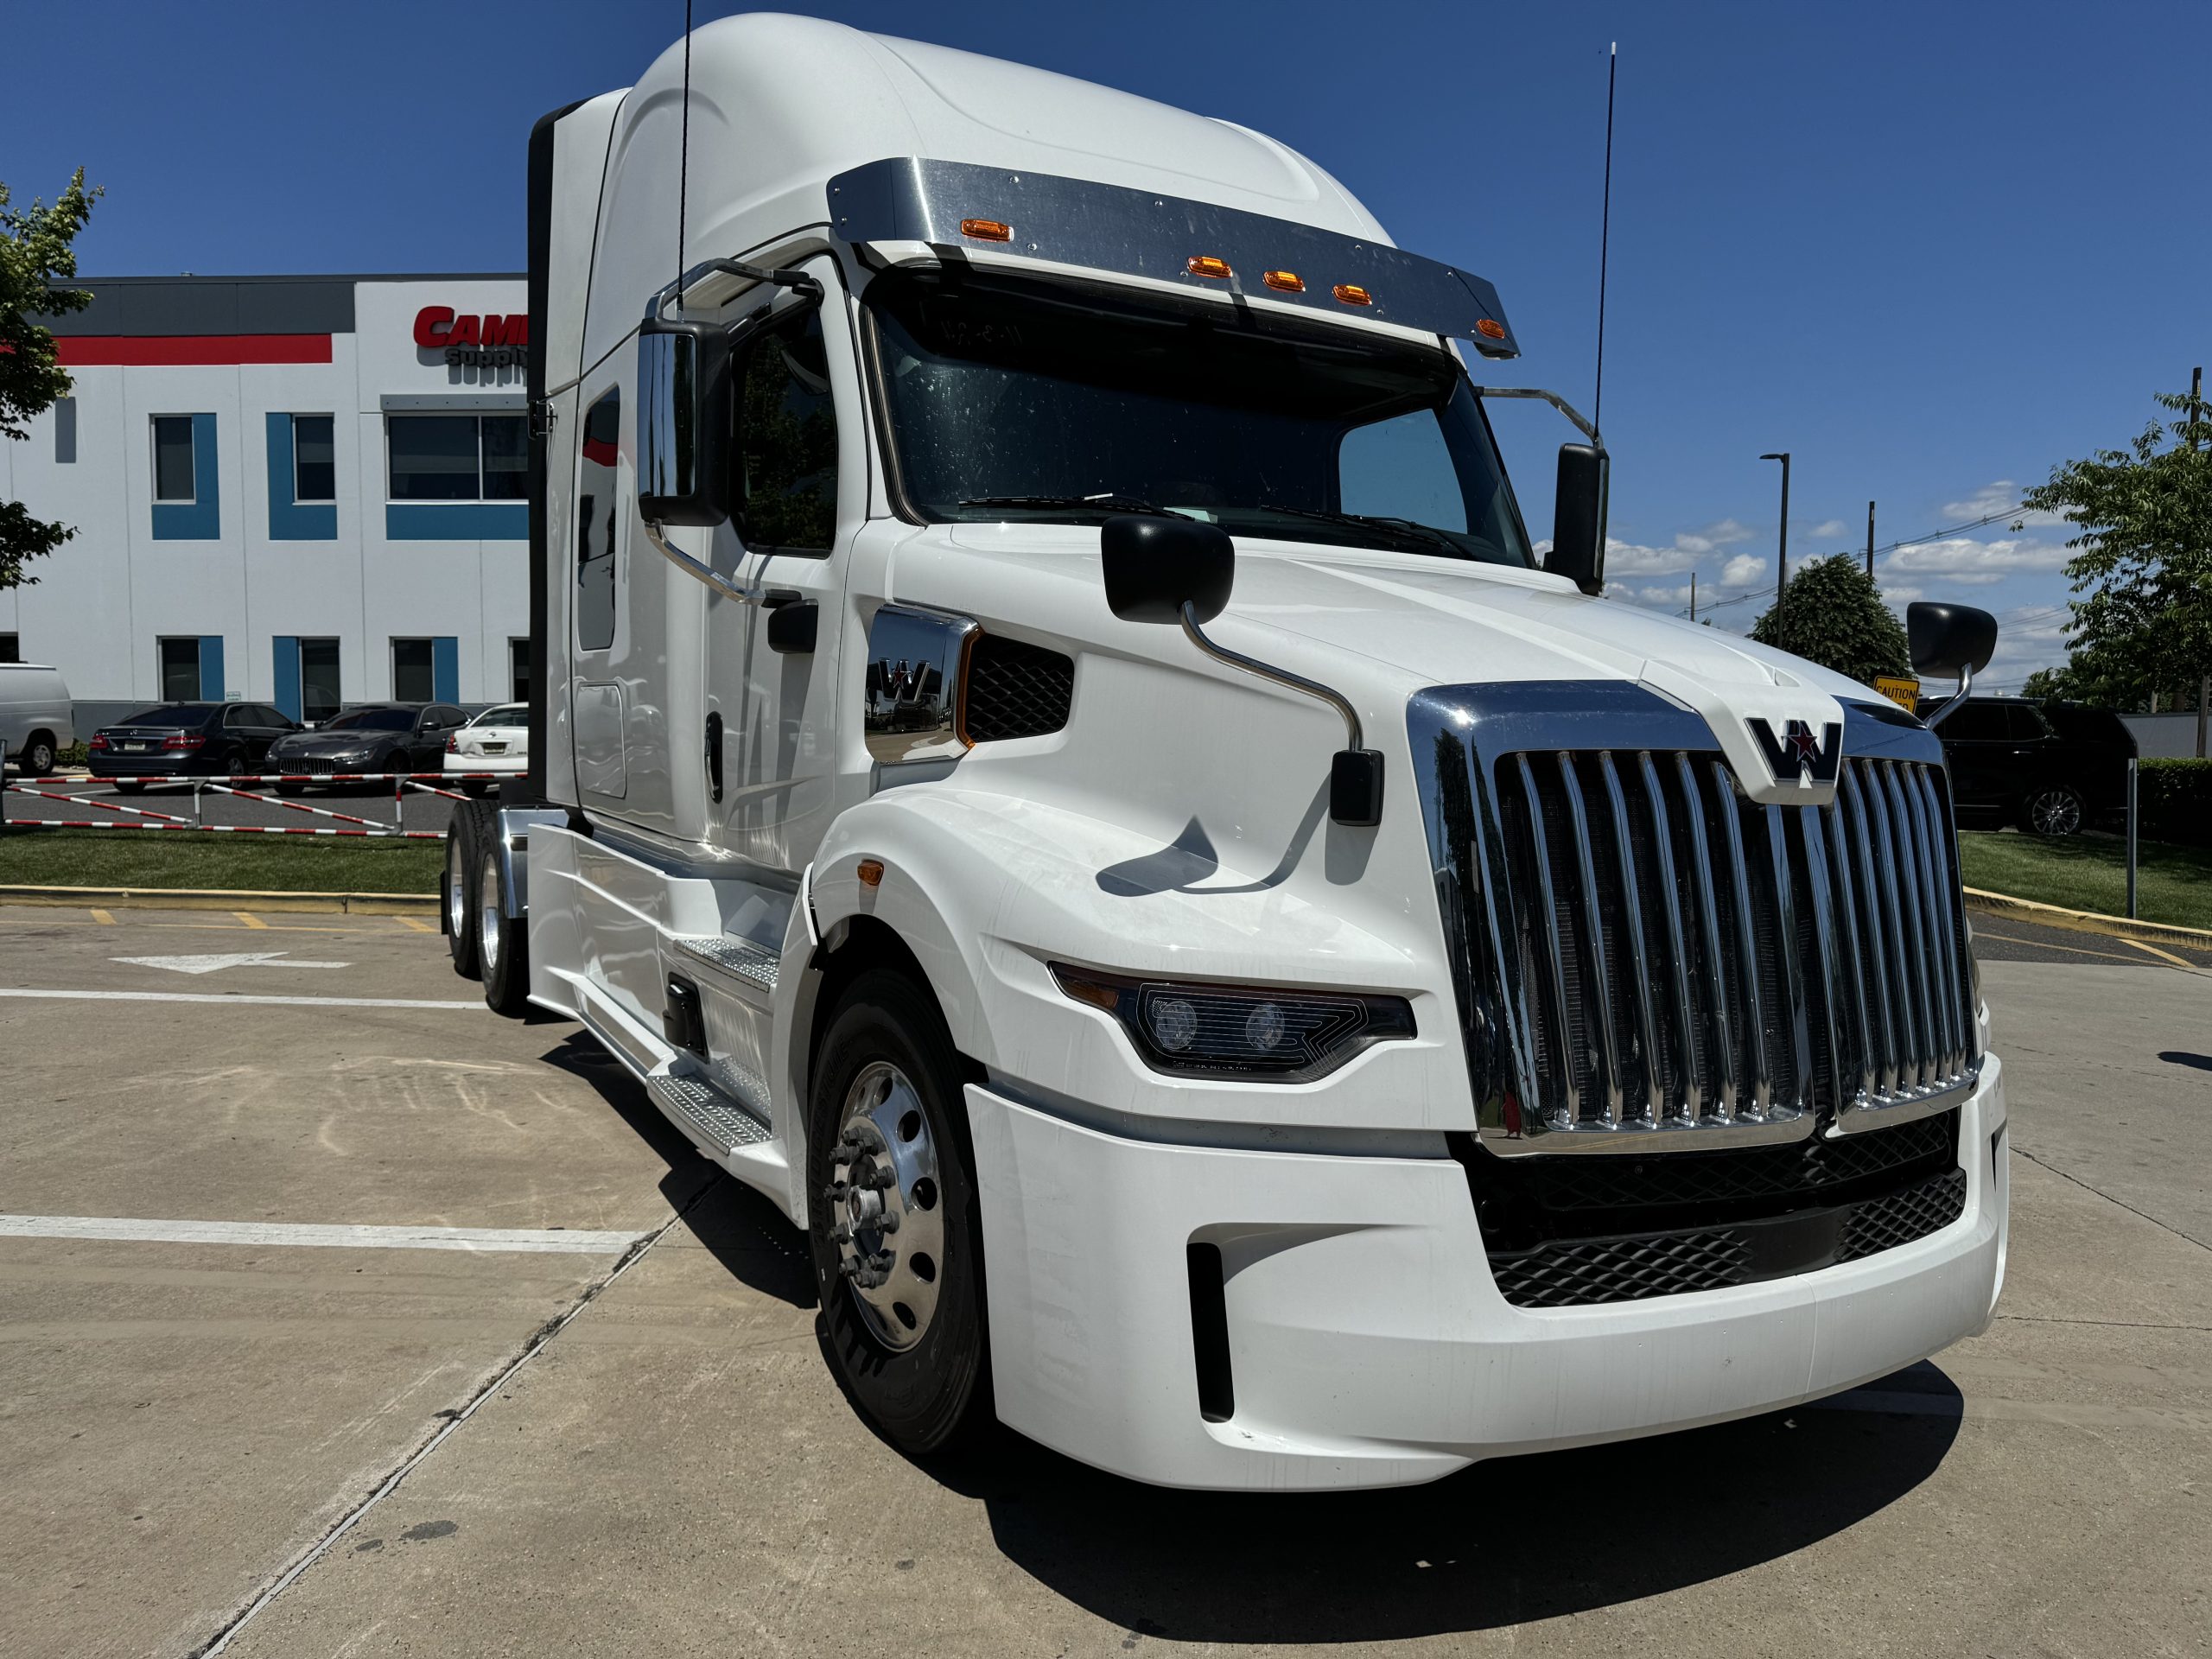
column 887, row 1222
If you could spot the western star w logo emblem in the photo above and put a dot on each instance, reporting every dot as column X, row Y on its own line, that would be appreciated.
column 1796, row 753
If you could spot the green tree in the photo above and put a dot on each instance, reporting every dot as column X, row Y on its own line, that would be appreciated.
column 1832, row 614
column 2144, row 557
column 36, row 261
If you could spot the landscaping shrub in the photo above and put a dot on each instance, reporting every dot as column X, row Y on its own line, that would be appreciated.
column 2175, row 800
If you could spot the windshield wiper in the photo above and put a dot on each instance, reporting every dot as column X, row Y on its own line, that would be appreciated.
column 1107, row 502
column 1407, row 527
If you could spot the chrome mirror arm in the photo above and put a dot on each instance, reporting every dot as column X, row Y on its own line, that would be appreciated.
column 1551, row 397
column 797, row 281
column 702, row 573
column 1282, row 676
column 1936, row 716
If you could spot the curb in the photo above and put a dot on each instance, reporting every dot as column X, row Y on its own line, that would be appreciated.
column 348, row 904
column 2086, row 921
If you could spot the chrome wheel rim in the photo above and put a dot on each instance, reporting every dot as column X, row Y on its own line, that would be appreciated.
column 488, row 914
column 2056, row 812
column 887, row 1206
column 456, row 893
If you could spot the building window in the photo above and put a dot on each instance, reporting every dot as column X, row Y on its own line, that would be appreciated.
column 314, row 459
column 11, row 650
column 518, row 669
column 319, row 692
column 458, row 457
column 181, row 669
column 173, row 469
column 413, row 672
column 65, row 430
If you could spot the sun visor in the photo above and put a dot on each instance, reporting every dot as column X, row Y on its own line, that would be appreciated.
column 953, row 206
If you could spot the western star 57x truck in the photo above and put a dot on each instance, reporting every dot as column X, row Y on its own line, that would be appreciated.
column 1056, row 760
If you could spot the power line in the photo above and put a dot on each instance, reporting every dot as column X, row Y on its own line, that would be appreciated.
column 1909, row 541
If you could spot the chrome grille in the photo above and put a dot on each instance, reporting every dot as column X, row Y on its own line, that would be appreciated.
column 1640, row 947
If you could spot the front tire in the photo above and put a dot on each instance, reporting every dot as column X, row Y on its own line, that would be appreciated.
column 2053, row 811
column 457, row 891
column 502, row 942
column 902, row 1305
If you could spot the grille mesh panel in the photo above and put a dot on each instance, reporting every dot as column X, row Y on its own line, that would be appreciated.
column 1015, row 690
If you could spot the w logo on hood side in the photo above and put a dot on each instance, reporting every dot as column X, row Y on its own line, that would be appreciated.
column 1796, row 753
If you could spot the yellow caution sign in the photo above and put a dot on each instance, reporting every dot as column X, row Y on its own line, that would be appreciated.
column 1902, row 692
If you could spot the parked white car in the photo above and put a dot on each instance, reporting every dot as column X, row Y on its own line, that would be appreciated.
column 36, row 717
column 496, row 741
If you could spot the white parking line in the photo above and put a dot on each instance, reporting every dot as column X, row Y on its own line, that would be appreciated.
column 262, row 1001
column 526, row 1240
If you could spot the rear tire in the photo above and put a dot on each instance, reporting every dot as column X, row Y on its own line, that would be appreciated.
column 2053, row 811
column 457, row 895
column 887, row 1059
column 502, row 942
column 37, row 756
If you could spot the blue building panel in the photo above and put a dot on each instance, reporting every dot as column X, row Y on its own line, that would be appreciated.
column 288, row 520
column 202, row 519
column 456, row 521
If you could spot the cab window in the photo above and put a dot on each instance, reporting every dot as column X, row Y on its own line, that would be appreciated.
column 595, row 521
column 784, row 495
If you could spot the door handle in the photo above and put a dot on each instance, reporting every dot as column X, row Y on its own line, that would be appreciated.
column 792, row 627
column 715, row 756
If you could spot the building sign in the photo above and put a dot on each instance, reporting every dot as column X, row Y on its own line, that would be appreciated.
column 477, row 342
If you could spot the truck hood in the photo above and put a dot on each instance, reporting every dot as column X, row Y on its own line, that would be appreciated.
column 1381, row 626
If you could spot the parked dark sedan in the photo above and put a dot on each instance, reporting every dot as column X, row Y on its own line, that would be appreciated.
column 187, row 740
column 2050, row 766
column 369, row 737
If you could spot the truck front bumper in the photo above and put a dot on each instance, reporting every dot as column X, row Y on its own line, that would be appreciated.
column 1368, row 1346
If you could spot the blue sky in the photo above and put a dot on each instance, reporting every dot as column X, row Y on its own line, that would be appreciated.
column 1931, row 248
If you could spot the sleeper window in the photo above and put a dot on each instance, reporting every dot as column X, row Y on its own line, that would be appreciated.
column 595, row 523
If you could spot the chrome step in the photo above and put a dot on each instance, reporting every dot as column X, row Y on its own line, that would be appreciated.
column 740, row 958
column 726, row 1123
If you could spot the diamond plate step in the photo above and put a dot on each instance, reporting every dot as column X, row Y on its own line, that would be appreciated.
column 724, row 1124
column 740, row 958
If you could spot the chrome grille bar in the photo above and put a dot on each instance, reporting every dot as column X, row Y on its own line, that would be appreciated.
column 1712, row 952
column 1798, row 1030
column 1686, row 1019
column 1567, row 1063
column 1902, row 893
column 1877, row 969
column 1593, row 924
column 1646, row 993
column 1852, row 966
column 1747, row 950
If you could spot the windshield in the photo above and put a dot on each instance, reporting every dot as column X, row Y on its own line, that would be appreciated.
column 507, row 714
column 373, row 720
column 1014, row 400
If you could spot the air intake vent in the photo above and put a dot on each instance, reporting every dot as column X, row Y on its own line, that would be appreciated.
column 1015, row 690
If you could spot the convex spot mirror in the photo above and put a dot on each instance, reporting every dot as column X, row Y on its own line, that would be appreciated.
column 1949, row 640
column 1579, row 517
column 683, row 423
column 1153, row 567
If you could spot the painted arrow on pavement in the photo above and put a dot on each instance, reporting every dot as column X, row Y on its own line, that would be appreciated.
column 216, row 964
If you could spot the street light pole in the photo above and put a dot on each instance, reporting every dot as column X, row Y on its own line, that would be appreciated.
column 1781, row 554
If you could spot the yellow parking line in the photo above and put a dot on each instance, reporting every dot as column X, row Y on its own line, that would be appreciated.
column 104, row 918
column 2162, row 956
column 409, row 921
column 250, row 919
column 2074, row 949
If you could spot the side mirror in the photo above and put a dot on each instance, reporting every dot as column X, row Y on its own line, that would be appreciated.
column 1154, row 566
column 683, row 423
column 1579, row 516
column 1947, row 639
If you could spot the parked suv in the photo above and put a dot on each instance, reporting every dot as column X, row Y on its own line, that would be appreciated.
column 186, row 740
column 2050, row 766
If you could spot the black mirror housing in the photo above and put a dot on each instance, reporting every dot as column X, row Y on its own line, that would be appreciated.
column 684, row 418
column 1155, row 566
column 1579, row 516
column 1947, row 640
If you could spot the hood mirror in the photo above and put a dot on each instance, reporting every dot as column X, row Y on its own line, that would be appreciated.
column 1947, row 640
column 1175, row 569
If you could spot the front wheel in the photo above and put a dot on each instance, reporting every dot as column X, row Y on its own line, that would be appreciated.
column 459, row 895
column 502, row 941
column 894, row 1228
column 2053, row 810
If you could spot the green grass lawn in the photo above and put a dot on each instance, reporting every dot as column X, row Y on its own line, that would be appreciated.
column 2173, row 884
column 95, row 858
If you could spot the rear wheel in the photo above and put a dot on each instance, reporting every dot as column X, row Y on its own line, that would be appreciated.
column 457, row 891
column 893, row 1229
column 2054, row 810
column 37, row 755
column 502, row 942
column 236, row 765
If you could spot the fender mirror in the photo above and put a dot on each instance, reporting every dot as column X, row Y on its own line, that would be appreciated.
column 683, row 423
column 1579, row 516
column 1155, row 566
column 1946, row 639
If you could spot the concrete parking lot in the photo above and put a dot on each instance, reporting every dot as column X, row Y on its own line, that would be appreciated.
column 338, row 1317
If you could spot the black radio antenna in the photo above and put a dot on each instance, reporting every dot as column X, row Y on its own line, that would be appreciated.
column 1605, row 239
column 684, row 161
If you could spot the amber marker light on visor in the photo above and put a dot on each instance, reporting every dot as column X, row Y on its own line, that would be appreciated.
column 1352, row 293
column 1289, row 282
column 987, row 230
column 1206, row 264
column 1489, row 328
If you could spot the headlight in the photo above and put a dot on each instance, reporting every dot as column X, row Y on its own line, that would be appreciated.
column 1255, row 1031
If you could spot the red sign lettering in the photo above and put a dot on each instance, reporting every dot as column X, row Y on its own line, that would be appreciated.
column 436, row 328
column 428, row 322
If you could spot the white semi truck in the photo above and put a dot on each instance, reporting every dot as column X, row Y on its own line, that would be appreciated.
column 1057, row 761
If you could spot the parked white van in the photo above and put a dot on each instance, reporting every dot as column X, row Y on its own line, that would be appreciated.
column 35, row 723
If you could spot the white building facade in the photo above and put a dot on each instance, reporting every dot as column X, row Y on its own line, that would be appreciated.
column 295, row 490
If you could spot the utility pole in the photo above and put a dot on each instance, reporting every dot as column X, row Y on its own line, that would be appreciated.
column 1781, row 554
column 1869, row 541
column 1693, row 595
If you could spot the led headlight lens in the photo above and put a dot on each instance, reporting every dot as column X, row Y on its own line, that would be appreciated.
column 1264, row 1034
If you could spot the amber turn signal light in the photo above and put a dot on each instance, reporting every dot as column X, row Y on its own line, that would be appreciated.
column 1288, row 281
column 870, row 872
column 987, row 230
column 1352, row 293
column 1205, row 264
column 1489, row 328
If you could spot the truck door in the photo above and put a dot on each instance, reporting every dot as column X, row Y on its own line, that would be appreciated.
column 798, row 494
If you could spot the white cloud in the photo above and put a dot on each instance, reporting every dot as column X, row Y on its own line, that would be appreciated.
column 1743, row 571
column 1963, row 559
column 1828, row 527
column 1994, row 499
column 1713, row 538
